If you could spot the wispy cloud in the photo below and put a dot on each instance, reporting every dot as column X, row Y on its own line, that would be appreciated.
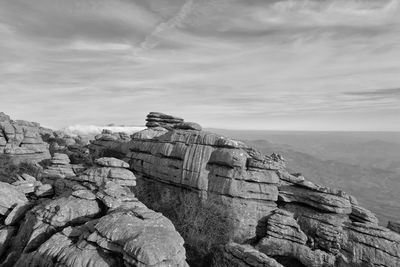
column 229, row 63
column 382, row 93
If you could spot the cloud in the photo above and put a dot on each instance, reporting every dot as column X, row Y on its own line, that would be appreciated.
column 391, row 93
column 85, row 130
column 228, row 62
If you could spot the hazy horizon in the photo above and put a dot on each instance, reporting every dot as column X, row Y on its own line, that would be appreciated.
column 270, row 65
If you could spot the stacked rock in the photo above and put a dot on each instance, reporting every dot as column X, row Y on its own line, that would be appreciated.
column 21, row 140
column 28, row 184
column 108, row 143
column 108, row 170
column 60, row 167
column 157, row 119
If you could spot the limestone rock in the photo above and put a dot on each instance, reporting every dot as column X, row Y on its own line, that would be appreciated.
column 108, row 144
column 237, row 255
column 327, row 201
column 360, row 214
column 9, row 197
column 284, row 237
column 25, row 187
column 60, row 159
column 94, row 221
column 60, row 168
column 188, row 126
column 44, row 190
column 21, row 140
column 99, row 176
column 46, row 219
column 151, row 242
column 68, row 248
column 17, row 213
column 286, row 219
column 210, row 165
column 353, row 243
column 28, row 178
column 6, row 234
column 394, row 226
column 156, row 119
column 112, row 162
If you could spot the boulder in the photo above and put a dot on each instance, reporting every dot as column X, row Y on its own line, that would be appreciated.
column 6, row 235
column 111, row 162
column 10, row 196
column 21, row 140
column 188, row 126
column 237, row 255
column 157, row 119
column 44, row 190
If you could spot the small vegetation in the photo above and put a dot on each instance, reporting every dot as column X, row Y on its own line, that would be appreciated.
column 203, row 224
column 9, row 169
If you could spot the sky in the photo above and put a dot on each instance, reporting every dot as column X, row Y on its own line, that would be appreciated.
column 235, row 64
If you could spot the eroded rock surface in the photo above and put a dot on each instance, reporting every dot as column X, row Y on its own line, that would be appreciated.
column 109, row 144
column 285, row 219
column 212, row 167
column 21, row 140
column 276, row 218
column 94, row 220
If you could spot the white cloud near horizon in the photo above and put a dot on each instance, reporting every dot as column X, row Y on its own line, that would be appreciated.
column 289, row 64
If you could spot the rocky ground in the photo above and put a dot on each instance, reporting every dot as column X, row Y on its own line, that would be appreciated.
column 222, row 202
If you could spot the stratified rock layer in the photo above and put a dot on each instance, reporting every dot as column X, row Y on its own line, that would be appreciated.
column 211, row 167
column 21, row 141
column 288, row 220
column 93, row 220
column 108, row 144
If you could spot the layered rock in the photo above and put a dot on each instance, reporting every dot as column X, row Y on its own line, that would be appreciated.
column 210, row 167
column 156, row 119
column 59, row 172
column 288, row 220
column 10, row 196
column 108, row 144
column 237, row 255
column 94, row 221
column 394, row 226
column 28, row 184
column 21, row 140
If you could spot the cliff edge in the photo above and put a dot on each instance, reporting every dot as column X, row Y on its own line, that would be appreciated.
column 273, row 217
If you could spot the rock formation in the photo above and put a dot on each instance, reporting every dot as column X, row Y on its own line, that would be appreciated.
column 21, row 140
column 284, row 219
column 209, row 166
column 259, row 214
column 108, row 144
column 91, row 219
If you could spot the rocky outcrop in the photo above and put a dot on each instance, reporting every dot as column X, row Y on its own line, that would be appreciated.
column 94, row 220
column 213, row 168
column 237, row 255
column 108, row 144
column 394, row 226
column 88, row 216
column 10, row 196
column 60, row 172
column 156, row 119
column 21, row 140
column 285, row 219
column 28, row 184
